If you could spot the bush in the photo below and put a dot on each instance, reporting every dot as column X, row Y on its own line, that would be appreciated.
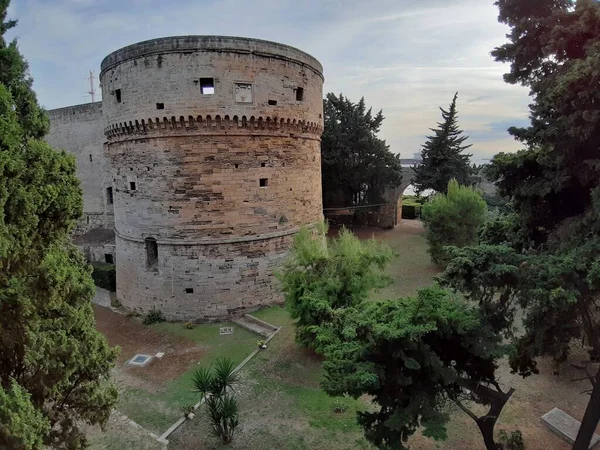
column 512, row 441
column 411, row 211
column 452, row 219
column 319, row 278
column 339, row 406
column 189, row 325
column 105, row 276
column 153, row 316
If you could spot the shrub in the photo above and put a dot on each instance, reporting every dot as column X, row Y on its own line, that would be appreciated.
column 320, row 277
column 189, row 325
column 339, row 406
column 512, row 441
column 221, row 405
column 105, row 276
column 154, row 316
column 452, row 219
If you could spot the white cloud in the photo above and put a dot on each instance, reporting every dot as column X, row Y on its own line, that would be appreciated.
column 407, row 57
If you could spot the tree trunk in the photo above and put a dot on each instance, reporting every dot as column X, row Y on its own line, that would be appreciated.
column 487, row 423
column 590, row 418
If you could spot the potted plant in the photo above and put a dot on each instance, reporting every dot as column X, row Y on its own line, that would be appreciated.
column 262, row 344
column 188, row 411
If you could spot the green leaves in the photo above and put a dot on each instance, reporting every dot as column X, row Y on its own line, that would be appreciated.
column 357, row 166
column 442, row 155
column 452, row 219
column 321, row 276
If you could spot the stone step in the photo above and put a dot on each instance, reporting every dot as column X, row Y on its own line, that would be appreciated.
column 565, row 426
column 255, row 325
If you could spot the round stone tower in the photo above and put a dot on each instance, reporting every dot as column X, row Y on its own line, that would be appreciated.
column 214, row 148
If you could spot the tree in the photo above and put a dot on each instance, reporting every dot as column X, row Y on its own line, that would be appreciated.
column 320, row 277
column 443, row 157
column 54, row 365
column 216, row 385
column 452, row 219
column 357, row 166
column 414, row 356
column 552, row 270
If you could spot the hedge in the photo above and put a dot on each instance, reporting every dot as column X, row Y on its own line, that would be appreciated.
column 105, row 275
column 411, row 211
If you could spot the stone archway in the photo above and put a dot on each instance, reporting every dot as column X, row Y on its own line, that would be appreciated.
column 394, row 196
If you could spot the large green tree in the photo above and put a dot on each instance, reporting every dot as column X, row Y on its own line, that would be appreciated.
column 443, row 155
column 415, row 357
column 357, row 166
column 54, row 365
column 551, row 265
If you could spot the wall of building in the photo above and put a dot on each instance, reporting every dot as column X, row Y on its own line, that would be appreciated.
column 218, row 181
column 79, row 131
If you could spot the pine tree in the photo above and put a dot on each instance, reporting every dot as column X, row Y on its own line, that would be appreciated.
column 442, row 155
column 54, row 364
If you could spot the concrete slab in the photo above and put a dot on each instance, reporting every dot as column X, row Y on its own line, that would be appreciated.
column 565, row 426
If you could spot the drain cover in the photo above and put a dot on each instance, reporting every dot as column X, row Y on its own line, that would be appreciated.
column 140, row 360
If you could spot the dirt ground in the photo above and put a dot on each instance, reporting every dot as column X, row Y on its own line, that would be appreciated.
column 133, row 338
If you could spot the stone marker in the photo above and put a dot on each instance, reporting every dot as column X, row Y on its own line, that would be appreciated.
column 565, row 426
column 225, row 330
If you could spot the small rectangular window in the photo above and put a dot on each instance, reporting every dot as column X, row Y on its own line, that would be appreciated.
column 299, row 94
column 108, row 258
column 109, row 196
column 151, row 252
column 132, row 185
column 189, row 290
column 263, row 182
column 160, row 106
column 272, row 102
column 91, row 158
column 263, row 164
column 118, row 95
column 207, row 86
column 236, row 166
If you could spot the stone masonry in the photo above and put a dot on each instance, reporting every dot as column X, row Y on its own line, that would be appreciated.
column 213, row 157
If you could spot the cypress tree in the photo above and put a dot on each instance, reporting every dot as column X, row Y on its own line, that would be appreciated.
column 443, row 157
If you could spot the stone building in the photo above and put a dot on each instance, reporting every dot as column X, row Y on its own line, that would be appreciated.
column 204, row 158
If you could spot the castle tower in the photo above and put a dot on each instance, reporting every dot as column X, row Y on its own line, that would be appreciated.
column 214, row 149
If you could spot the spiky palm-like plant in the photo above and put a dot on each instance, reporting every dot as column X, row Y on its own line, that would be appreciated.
column 221, row 407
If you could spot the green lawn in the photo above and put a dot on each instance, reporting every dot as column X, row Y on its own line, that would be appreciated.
column 158, row 410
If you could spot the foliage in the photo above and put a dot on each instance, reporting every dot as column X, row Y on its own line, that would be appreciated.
column 339, row 406
column 21, row 424
column 321, row 276
column 189, row 325
column 551, row 269
column 54, row 365
column 411, row 211
column 443, row 157
column 500, row 228
column 512, row 441
column 105, row 276
column 357, row 166
column 215, row 385
column 153, row 316
column 413, row 357
column 452, row 219
column 187, row 409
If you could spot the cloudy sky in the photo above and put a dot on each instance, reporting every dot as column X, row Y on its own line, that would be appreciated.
column 406, row 57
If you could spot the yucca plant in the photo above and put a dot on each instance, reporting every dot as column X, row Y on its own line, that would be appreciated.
column 216, row 386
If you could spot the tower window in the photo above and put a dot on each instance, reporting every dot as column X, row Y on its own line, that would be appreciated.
column 299, row 94
column 151, row 252
column 108, row 258
column 189, row 290
column 91, row 159
column 263, row 164
column 207, row 86
column 263, row 182
column 109, row 195
column 132, row 186
column 118, row 95
column 160, row 106
column 272, row 102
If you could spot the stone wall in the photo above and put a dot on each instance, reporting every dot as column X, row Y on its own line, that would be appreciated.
column 79, row 131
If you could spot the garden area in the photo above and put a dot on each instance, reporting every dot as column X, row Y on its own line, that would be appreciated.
column 281, row 402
